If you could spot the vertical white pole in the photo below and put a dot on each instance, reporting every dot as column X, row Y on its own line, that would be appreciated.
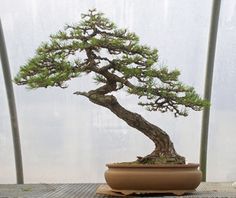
column 208, row 83
column 12, row 108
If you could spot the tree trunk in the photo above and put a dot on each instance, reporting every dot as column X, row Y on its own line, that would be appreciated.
column 164, row 151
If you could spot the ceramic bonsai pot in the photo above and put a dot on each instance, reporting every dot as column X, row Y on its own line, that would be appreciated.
column 157, row 178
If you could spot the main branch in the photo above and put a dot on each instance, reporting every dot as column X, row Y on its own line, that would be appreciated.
column 164, row 151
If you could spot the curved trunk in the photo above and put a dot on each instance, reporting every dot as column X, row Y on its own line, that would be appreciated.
column 164, row 150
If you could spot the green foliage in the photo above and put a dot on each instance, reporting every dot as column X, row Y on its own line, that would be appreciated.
column 46, row 70
column 115, row 56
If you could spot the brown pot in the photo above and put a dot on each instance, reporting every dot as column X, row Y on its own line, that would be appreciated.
column 166, row 178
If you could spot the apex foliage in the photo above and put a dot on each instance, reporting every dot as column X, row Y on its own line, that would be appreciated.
column 117, row 60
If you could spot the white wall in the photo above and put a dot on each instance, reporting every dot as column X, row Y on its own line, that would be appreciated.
column 65, row 138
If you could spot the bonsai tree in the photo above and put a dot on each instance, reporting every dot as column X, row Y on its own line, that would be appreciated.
column 118, row 62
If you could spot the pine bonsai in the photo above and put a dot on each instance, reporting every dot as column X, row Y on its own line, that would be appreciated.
column 118, row 62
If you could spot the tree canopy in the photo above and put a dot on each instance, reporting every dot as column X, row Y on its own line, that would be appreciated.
column 118, row 61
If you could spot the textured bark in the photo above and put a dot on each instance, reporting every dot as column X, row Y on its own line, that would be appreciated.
column 164, row 151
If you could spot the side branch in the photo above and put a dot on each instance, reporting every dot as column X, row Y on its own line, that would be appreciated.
column 81, row 93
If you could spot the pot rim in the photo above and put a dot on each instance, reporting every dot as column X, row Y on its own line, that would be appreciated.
column 120, row 165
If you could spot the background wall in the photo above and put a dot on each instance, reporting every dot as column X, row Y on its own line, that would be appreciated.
column 65, row 138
